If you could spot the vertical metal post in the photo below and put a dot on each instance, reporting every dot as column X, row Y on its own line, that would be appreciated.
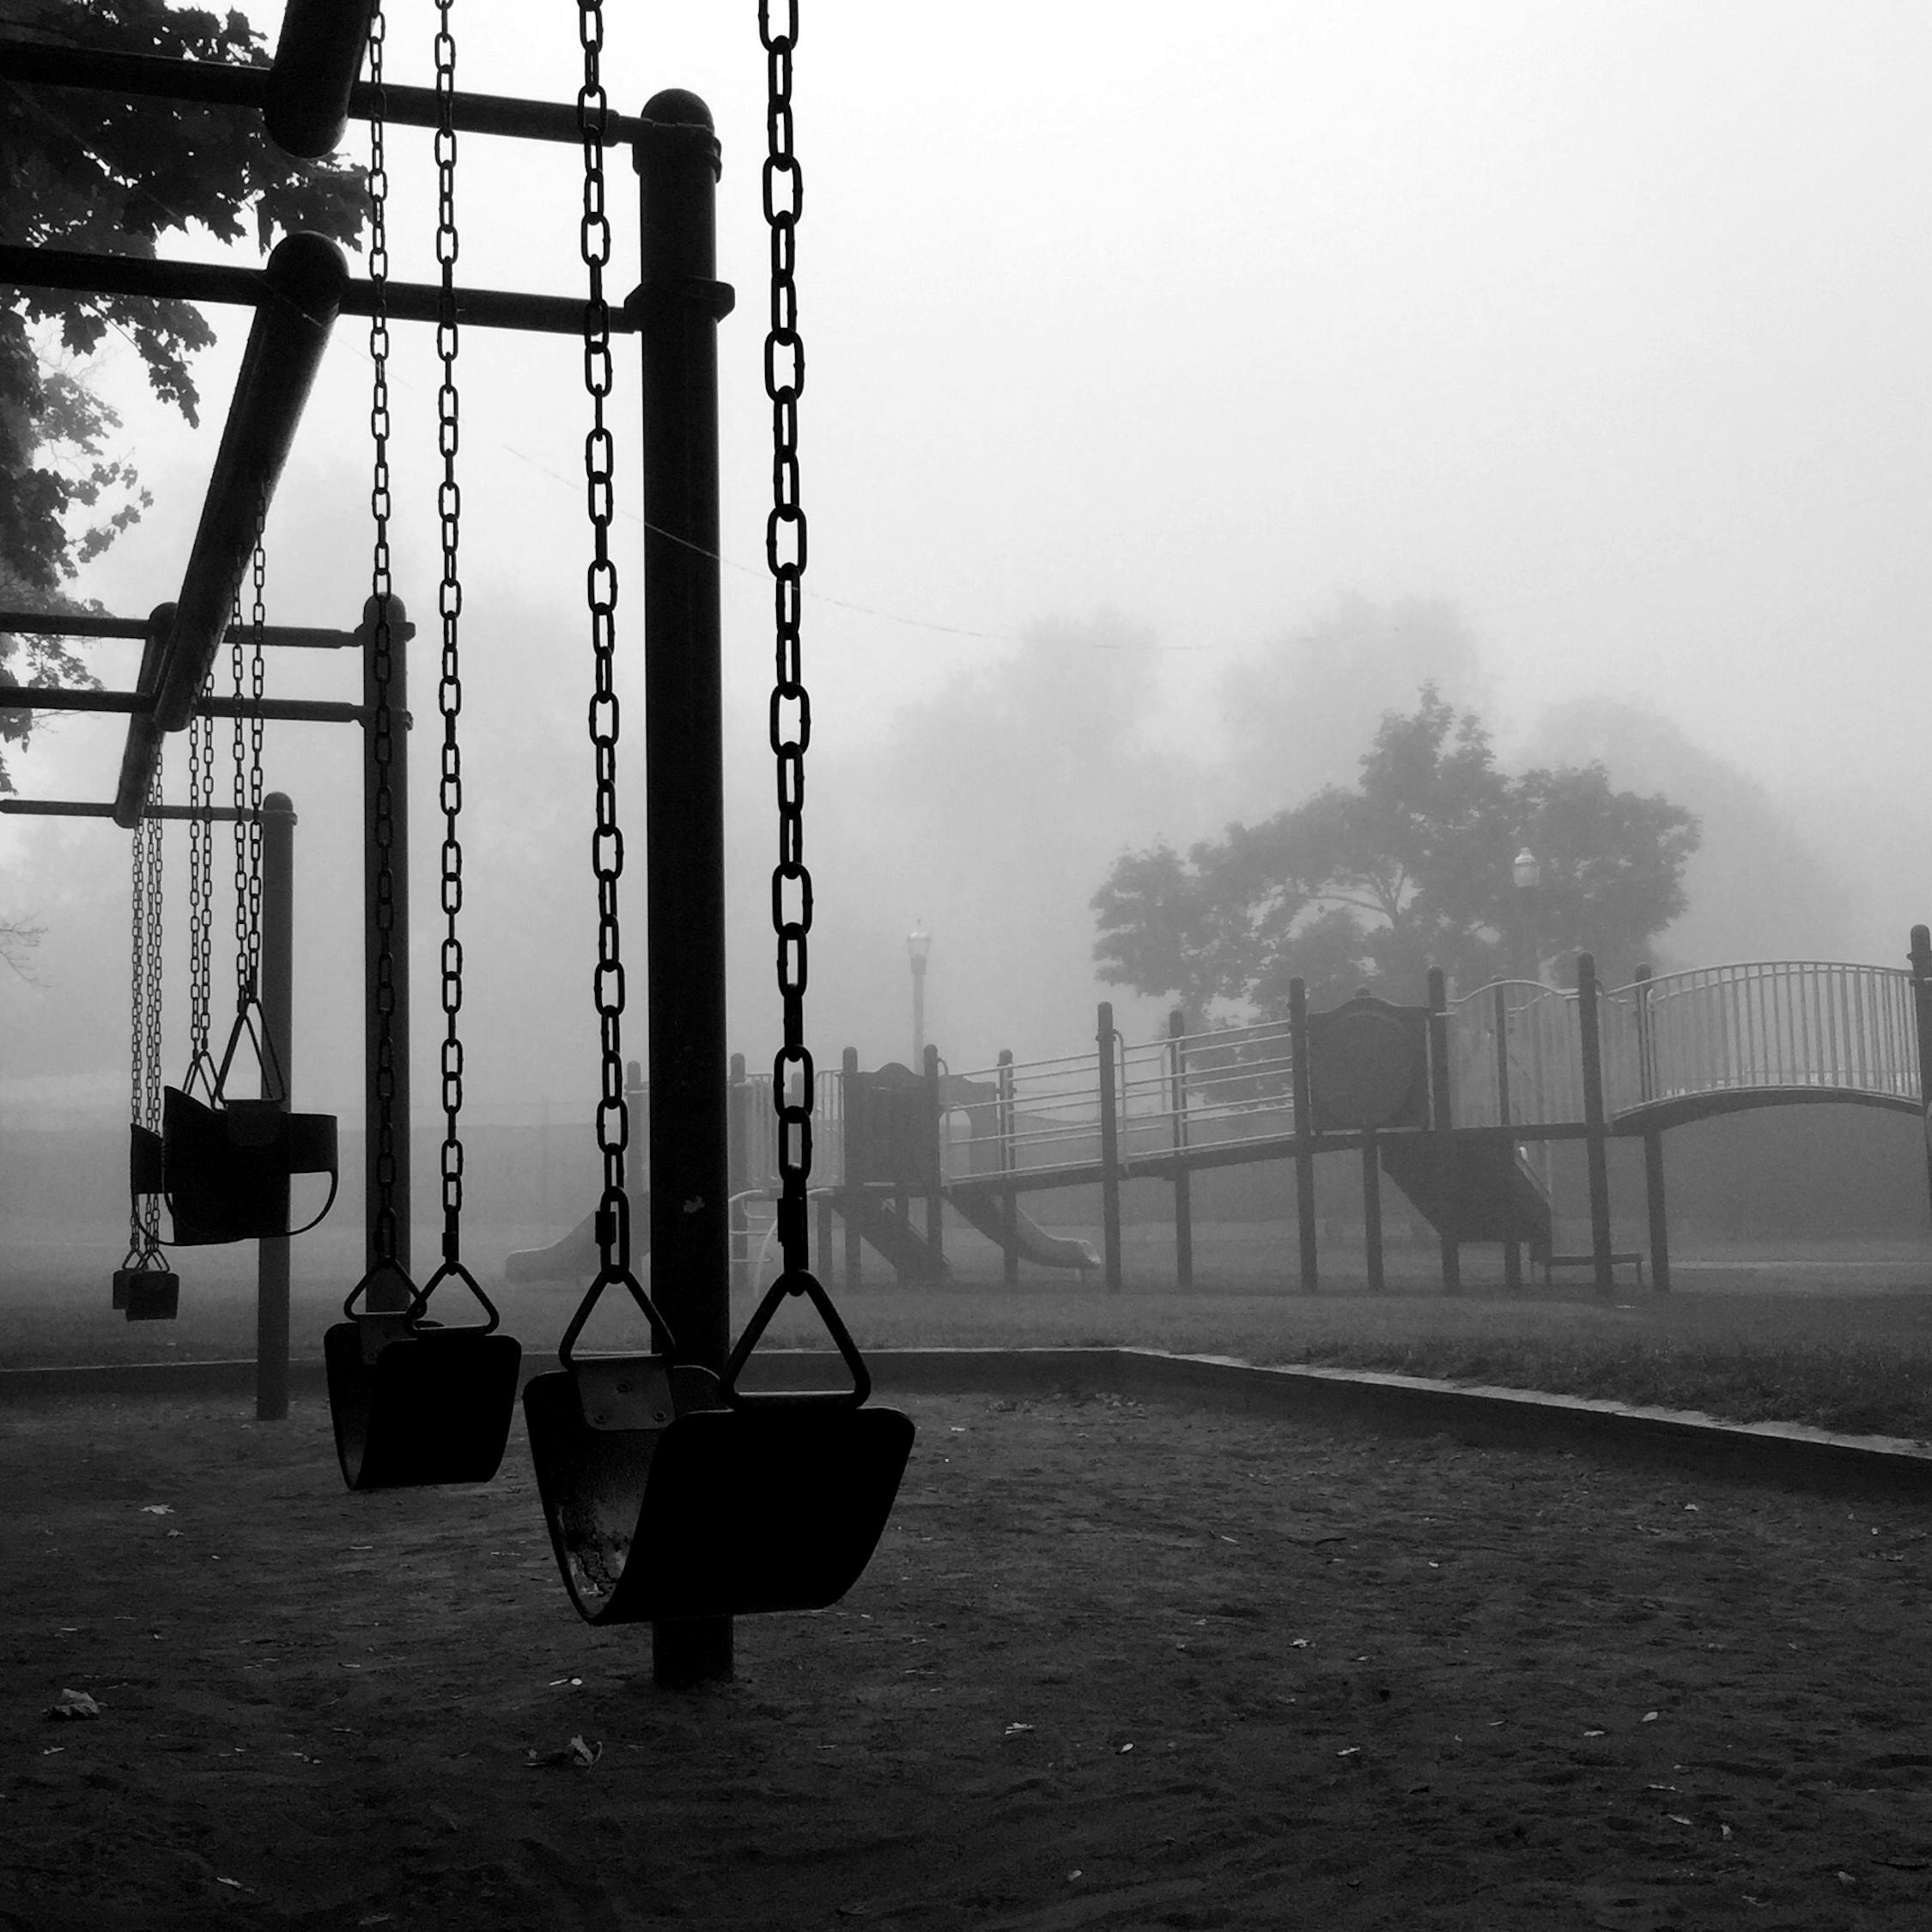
column 1110, row 1151
column 936, row 1158
column 1595, row 1145
column 1654, row 1198
column 1009, row 1201
column 855, row 1176
column 740, row 1177
column 1439, row 1109
column 386, row 1294
column 679, row 304
column 278, row 996
column 1304, row 1131
column 1183, row 1180
column 637, row 1166
column 1372, row 1210
column 1512, row 1248
column 1921, row 958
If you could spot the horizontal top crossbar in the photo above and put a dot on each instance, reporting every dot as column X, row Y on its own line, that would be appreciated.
column 85, row 808
column 216, row 281
column 301, row 637
column 216, row 84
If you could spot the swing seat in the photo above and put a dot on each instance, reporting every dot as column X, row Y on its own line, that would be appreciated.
column 663, row 1503
column 417, row 1404
column 148, row 1294
column 227, row 1168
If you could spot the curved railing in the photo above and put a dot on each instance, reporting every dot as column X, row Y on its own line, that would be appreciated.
column 1690, row 1043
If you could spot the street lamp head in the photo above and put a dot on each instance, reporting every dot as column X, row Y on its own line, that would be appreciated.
column 919, row 946
column 1526, row 870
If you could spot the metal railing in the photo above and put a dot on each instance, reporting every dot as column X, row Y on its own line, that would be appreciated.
column 1781, row 1025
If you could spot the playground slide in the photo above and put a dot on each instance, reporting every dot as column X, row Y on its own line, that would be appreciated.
column 576, row 1256
column 1030, row 1241
column 910, row 1253
column 1470, row 1190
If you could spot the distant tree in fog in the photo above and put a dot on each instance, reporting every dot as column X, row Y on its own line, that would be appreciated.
column 1318, row 688
column 18, row 939
column 1413, row 867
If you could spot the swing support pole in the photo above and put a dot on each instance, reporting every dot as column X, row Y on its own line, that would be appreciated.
column 277, row 992
column 679, row 308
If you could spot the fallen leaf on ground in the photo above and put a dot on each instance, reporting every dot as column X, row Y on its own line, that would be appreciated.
column 577, row 1753
column 157, row 1509
column 74, row 1704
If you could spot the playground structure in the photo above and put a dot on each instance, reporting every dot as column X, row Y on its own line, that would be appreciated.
column 1456, row 1101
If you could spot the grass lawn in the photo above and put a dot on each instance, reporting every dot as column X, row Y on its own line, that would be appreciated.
column 1839, row 1338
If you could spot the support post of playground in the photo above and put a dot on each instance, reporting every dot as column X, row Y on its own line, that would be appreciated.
column 679, row 304
column 1654, row 1199
column 1439, row 1106
column 1304, row 1131
column 276, row 993
column 1009, row 1199
column 1183, row 1181
column 851, row 1167
column 1921, row 958
column 1110, row 1150
column 740, row 1173
column 1512, row 1248
column 1596, row 1137
column 935, row 1145
column 386, row 768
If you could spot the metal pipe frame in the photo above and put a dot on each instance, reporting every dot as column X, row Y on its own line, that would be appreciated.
column 305, row 274
column 170, row 280
column 144, row 704
column 214, row 84
column 88, row 808
column 52, row 623
column 689, row 1132
column 318, row 58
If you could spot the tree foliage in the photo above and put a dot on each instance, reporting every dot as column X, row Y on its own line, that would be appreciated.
column 1413, row 867
column 92, row 171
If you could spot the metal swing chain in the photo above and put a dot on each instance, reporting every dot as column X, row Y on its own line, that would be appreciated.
column 449, row 605
column 201, row 890
column 382, row 724
column 151, row 1105
column 137, row 1023
column 248, row 791
column 790, row 703
column 607, row 846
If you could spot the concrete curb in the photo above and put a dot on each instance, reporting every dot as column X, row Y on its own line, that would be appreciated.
column 1784, row 1454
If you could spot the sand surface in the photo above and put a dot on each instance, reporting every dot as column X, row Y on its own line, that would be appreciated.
column 1111, row 1668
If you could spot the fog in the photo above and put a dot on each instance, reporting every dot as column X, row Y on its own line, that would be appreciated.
column 1575, row 358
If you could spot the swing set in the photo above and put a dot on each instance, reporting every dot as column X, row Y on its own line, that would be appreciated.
column 674, row 1491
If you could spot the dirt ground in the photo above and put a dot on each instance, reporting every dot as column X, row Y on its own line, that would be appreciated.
column 1111, row 1668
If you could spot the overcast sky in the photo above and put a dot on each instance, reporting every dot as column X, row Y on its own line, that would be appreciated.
column 1608, row 324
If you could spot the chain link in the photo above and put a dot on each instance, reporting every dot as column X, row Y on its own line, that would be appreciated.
column 246, row 670
column 607, row 845
column 790, row 703
column 150, row 1113
column 449, row 604
column 201, row 892
column 382, row 723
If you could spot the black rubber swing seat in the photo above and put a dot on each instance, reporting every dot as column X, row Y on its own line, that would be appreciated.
column 417, row 1404
column 225, row 1169
column 664, row 1502
column 148, row 1294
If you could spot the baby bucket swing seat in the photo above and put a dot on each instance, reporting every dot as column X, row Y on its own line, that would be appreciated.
column 671, row 1493
column 416, row 1403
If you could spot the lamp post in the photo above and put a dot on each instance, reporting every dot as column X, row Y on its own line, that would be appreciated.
column 918, row 949
column 1526, row 870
